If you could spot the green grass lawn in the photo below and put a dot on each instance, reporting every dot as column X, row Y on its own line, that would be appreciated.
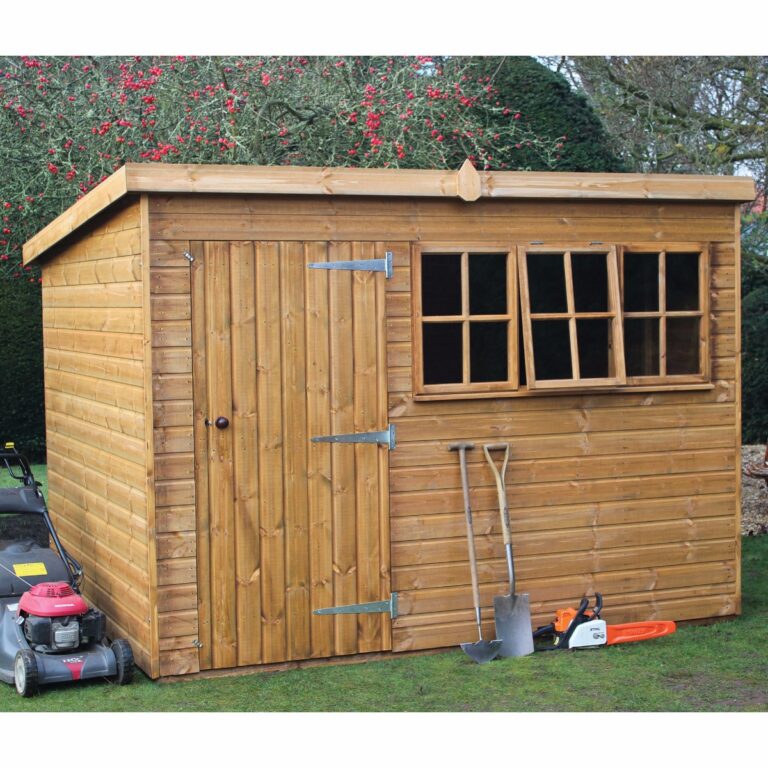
column 721, row 667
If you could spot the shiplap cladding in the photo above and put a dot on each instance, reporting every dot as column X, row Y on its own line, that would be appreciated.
column 93, row 334
column 631, row 492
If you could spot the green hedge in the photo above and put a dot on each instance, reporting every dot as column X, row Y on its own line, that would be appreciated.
column 551, row 109
column 22, row 415
column 754, row 360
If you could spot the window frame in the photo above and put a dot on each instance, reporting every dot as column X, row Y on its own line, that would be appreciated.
column 466, row 387
column 572, row 316
column 519, row 357
column 705, row 363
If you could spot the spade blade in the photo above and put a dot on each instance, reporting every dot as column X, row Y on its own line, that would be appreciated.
column 512, row 615
column 482, row 651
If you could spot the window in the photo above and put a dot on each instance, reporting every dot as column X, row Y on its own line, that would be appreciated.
column 544, row 317
column 571, row 320
column 466, row 321
column 665, row 309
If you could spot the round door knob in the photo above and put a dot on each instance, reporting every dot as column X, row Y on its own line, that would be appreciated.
column 222, row 422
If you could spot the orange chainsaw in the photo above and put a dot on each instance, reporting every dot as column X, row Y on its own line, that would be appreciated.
column 582, row 627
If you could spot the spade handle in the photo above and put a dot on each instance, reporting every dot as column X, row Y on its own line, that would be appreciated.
column 499, row 476
column 462, row 448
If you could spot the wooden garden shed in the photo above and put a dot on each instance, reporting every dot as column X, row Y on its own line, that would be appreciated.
column 197, row 342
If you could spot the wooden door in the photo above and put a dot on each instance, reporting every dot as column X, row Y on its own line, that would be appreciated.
column 286, row 525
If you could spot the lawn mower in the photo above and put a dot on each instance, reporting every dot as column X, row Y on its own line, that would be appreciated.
column 48, row 634
column 582, row 627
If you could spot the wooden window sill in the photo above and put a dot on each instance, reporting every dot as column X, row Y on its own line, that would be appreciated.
column 627, row 390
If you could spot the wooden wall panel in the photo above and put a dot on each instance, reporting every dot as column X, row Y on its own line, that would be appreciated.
column 95, row 419
column 176, row 495
column 633, row 493
column 370, row 219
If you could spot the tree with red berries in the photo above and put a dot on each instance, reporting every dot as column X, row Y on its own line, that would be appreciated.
column 66, row 123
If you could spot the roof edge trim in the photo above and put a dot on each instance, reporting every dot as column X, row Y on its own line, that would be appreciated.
column 465, row 184
column 94, row 202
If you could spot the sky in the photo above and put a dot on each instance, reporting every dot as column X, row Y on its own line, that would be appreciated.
column 489, row 27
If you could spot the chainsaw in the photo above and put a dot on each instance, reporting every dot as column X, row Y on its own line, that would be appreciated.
column 582, row 627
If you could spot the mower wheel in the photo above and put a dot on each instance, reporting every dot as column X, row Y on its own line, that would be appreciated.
column 124, row 658
column 25, row 673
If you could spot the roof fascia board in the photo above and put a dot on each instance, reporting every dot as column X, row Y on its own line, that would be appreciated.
column 98, row 199
column 466, row 184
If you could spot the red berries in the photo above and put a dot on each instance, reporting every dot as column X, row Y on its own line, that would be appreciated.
column 88, row 120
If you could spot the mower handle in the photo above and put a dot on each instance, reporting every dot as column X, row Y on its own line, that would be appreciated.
column 75, row 569
column 11, row 458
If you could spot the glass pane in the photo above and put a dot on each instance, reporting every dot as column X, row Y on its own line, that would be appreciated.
column 641, row 282
column 551, row 349
column 442, row 353
column 682, row 281
column 682, row 345
column 440, row 284
column 546, row 282
column 593, row 338
column 488, row 359
column 488, row 284
column 641, row 346
column 590, row 282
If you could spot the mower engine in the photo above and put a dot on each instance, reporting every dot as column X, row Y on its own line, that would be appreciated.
column 55, row 618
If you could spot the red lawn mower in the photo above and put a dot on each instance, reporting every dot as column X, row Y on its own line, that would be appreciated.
column 48, row 634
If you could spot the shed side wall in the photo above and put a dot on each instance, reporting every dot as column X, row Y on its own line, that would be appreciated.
column 95, row 422
column 631, row 493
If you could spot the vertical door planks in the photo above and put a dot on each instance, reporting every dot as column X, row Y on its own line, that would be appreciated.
column 270, row 443
column 295, row 441
column 367, row 419
column 288, row 525
column 343, row 455
column 220, row 460
column 319, row 491
column 245, row 428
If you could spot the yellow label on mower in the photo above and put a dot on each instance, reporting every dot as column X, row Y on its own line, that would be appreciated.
column 30, row 569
